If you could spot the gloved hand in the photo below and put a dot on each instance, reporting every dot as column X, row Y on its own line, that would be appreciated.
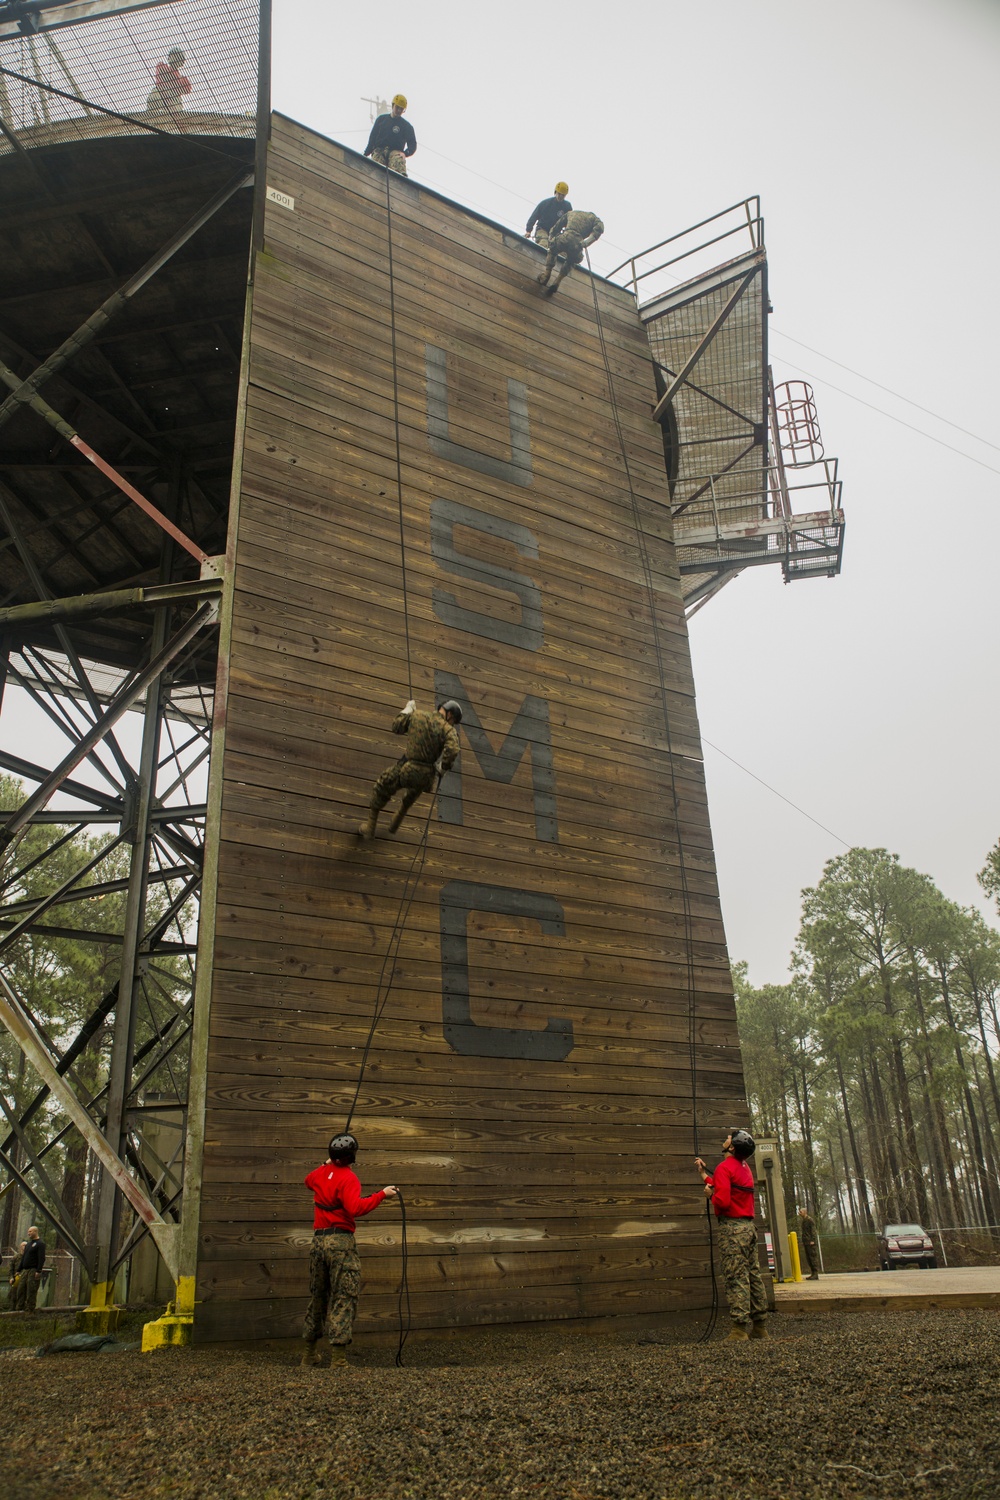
column 410, row 707
column 438, row 766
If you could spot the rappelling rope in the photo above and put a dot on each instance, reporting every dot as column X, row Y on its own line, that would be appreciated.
column 682, row 862
column 395, row 417
column 406, row 901
column 420, row 853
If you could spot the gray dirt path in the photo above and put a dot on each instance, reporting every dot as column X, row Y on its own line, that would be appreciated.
column 880, row 1404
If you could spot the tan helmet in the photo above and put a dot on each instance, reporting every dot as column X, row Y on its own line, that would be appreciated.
column 561, row 187
column 399, row 99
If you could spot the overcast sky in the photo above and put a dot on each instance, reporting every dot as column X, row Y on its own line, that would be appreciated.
column 869, row 127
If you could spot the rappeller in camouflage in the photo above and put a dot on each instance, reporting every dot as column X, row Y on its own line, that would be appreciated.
column 730, row 1189
column 569, row 237
column 431, row 749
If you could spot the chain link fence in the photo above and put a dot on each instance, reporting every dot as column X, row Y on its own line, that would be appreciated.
column 181, row 66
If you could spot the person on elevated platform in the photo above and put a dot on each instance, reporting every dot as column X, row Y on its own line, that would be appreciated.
column 570, row 236
column 171, row 85
column 549, row 212
column 431, row 749
column 392, row 139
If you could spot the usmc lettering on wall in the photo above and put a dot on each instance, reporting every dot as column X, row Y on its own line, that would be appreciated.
column 528, row 733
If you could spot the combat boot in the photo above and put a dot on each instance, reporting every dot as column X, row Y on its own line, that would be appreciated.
column 310, row 1356
column 397, row 820
column 338, row 1356
column 759, row 1330
column 738, row 1331
column 366, row 830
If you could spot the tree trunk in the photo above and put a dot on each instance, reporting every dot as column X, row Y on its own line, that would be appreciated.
column 985, row 1185
column 913, row 1177
column 859, row 1171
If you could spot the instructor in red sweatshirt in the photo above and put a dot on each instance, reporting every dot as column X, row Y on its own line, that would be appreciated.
column 730, row 1188
column 334, row 1266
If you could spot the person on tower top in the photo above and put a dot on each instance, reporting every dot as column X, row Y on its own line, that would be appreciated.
column 548, row 212
column 392, row 139
column 569, row 238
column 432, row 748
column 171, row 85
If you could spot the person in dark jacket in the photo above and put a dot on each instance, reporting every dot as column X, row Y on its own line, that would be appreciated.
column 334, row 1267
column 432, row 748
column 548, row 212
column 393, row 139
column 807, row 1234
column 30, row 1272
column 730, row 1189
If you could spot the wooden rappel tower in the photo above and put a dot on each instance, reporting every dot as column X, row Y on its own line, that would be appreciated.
column 394, row 470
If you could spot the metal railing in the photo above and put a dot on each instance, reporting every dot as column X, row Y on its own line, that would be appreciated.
column 748, row 222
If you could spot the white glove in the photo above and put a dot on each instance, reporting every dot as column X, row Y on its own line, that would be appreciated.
column 439, row 768
column 410, row 708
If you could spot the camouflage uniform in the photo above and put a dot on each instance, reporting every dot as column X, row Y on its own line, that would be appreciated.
column 740, row 1271
column 807, row 1234
column 394, row 160
column 428, row 738
column 567, row 239
column 334, row 1284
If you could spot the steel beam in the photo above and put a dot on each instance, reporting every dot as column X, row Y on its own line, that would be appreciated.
column 706, row 340
column 120, row 704
column 55, row 611
column 22, row 1029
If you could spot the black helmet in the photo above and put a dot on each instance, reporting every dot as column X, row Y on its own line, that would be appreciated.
column 452, row 708
column 343, row 1149
column 742, row 1143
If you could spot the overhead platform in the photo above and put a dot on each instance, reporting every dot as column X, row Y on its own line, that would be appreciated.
column 741, row 497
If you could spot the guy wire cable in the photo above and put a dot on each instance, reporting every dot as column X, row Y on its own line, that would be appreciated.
column 682, row 863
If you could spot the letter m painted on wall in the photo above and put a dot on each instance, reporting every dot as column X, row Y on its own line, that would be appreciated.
column 530, row 732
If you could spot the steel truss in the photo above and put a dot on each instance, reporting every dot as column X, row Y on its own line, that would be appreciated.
column 149, row 800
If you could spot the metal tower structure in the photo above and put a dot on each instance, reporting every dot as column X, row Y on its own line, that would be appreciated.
column 126, row 237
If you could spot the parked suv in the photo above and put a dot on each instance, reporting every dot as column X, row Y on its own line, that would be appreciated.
column 905, row 1245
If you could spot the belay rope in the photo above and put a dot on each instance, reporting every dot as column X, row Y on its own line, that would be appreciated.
column 420, row 853
column 647, row 572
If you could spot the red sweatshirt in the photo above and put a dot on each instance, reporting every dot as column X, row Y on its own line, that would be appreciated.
column 732, row 1197
column 337, row 1195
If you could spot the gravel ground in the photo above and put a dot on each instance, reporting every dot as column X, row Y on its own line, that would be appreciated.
column 884, row 1404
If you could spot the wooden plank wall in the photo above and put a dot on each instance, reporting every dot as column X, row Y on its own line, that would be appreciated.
column 530, row 1086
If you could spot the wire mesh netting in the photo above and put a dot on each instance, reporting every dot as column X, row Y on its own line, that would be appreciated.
column 180, row 66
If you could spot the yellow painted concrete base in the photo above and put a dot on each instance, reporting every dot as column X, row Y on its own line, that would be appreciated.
column 98, row 1319
column 173, row 1331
